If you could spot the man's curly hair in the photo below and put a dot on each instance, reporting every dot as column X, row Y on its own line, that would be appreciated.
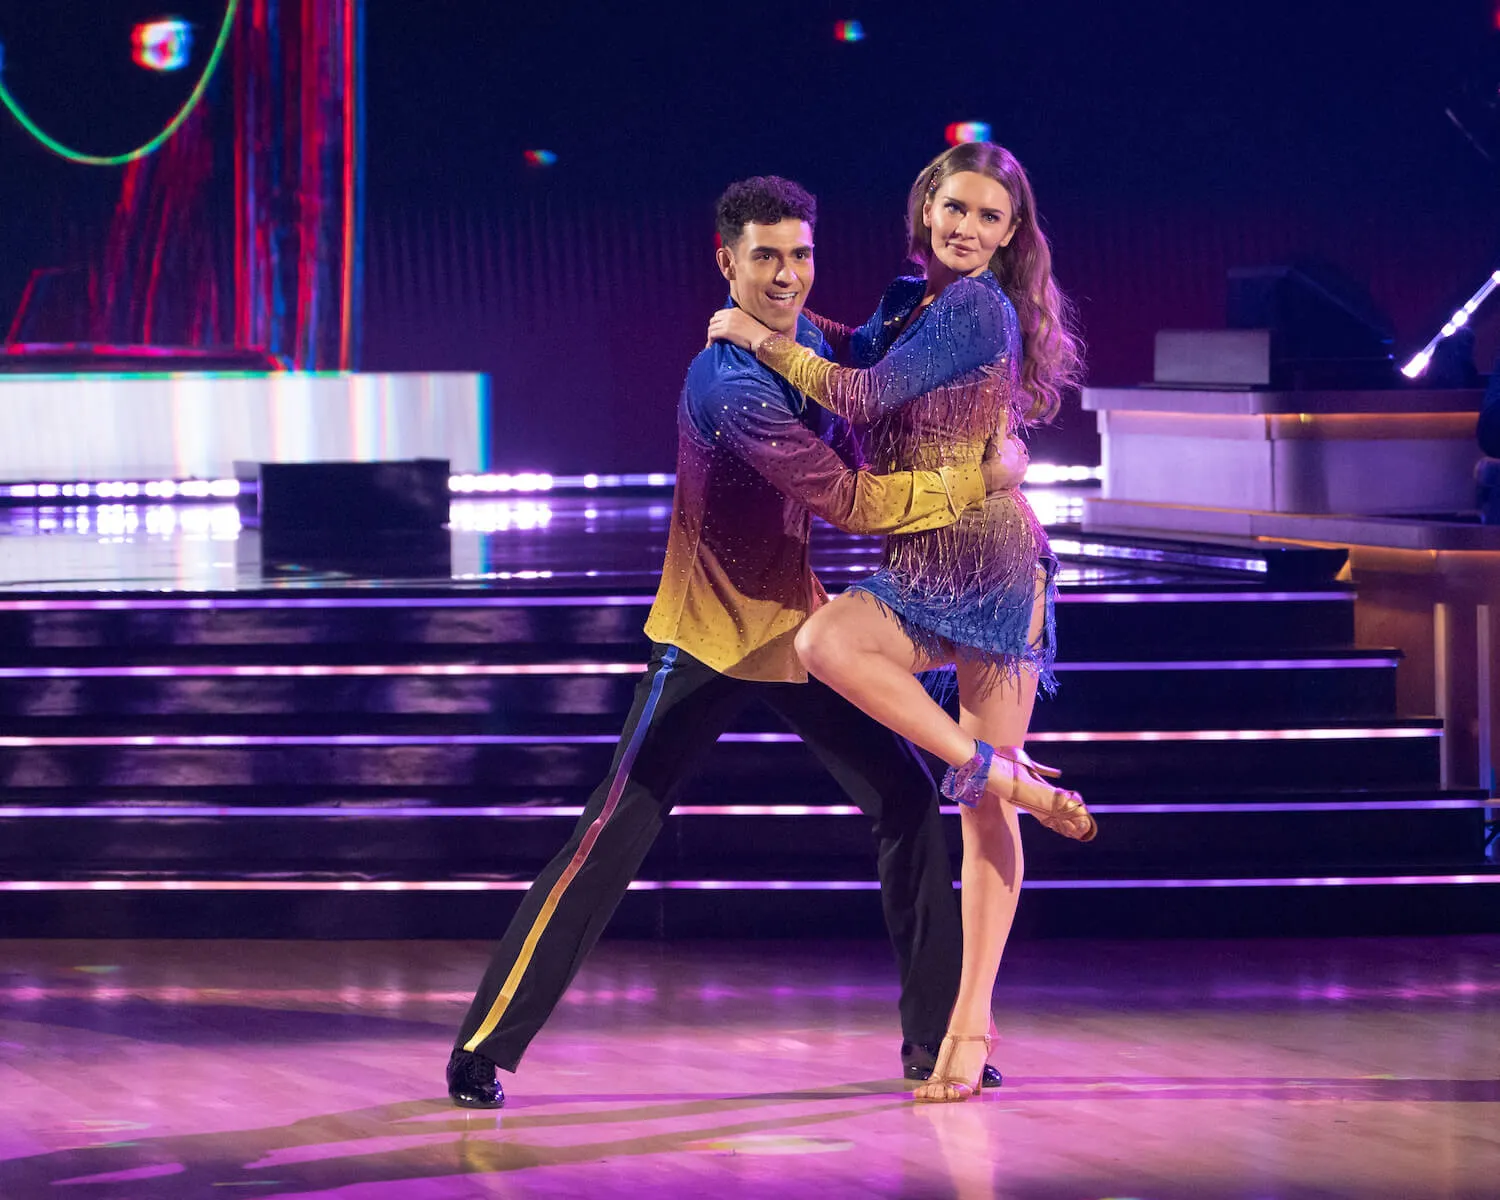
column 761, row 200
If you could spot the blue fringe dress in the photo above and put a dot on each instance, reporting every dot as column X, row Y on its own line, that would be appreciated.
column 927, row 389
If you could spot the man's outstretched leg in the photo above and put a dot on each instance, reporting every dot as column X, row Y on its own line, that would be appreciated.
column 680, row 708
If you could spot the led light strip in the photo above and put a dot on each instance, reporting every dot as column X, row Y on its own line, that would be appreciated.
column 152, row 603
column 1245, row 597
column 486, row 483
column 154, row 489
column 703, row 885
column 573, row 811
column 207, row 740
column 271, row 671
column 1072, row 547
column 401, row 670
column 542, row 481
column 227, row 603
column 1420, row 361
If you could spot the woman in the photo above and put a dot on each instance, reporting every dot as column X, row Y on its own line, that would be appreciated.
column 976, row 347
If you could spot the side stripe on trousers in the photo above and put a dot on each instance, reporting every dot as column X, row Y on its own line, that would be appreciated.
column 580, row 856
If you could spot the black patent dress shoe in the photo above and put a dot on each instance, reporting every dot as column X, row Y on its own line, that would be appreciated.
column 918, row 1059
column 472, row 1082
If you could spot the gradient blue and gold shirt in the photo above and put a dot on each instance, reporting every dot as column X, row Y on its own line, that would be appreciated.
column 754, row 462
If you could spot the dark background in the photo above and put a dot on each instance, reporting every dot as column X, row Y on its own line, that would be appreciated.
column 1167, row 142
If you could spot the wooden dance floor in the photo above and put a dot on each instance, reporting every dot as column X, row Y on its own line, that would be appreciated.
column 1157, row 1069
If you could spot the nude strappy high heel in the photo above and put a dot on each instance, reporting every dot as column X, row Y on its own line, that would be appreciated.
column 1058, row 809
column 953, row 1088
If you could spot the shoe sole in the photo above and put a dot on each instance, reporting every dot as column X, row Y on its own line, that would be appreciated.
column 459, row 1102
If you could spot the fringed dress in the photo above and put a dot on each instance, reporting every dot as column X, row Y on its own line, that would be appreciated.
column 927, row 389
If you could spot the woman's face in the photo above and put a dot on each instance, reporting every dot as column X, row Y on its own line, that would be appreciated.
column 970, row 217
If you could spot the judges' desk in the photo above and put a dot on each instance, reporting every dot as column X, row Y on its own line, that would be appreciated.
column 1388, row 474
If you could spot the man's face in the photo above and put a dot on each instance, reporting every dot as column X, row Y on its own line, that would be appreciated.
column 770, row 271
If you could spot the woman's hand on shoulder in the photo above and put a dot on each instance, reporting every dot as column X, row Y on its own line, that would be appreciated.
column 737, row 326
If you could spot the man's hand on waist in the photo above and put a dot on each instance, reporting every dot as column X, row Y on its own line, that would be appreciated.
column 1004, row 464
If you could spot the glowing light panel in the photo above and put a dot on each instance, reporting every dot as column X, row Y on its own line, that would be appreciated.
column 162, row 45
column 540, row 158
column 967, row 131
column 849, row 31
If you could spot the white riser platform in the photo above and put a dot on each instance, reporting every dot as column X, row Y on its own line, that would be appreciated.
column 191, row 425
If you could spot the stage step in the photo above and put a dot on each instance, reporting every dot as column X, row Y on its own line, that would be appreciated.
column 1217, row 617
column 1177, row 693
column 1330, row 832
column 398, row 761
column 1399, row 753
column 1465, row 899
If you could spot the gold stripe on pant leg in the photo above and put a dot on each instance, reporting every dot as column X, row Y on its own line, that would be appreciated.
column 575, row 864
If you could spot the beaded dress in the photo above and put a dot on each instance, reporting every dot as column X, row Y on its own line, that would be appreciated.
column 754, row 460
column 926, row 390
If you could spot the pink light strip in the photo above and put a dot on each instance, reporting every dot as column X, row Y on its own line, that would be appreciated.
column 585, row 668
column 150, row 603
column 702, row 885
column 144, row 603
column 609, row 739
column 1299, row 881
column 1234, row 664
column 520, row 811
column 1197, row 597
column 1173, row 735
column 279, row 671
column 1278, row 806
column 1235, row 735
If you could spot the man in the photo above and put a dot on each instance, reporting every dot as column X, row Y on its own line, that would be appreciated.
column 752, row 465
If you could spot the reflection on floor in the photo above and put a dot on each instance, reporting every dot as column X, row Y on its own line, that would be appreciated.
column 1170, row 1070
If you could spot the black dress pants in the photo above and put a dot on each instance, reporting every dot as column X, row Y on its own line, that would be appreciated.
column 681, row 707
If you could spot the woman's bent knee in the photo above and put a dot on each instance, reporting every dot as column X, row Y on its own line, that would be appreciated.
column 817, row 645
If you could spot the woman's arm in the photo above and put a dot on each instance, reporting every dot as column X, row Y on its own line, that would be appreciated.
column 967, row 327
column 861, row 346
column 838, row 335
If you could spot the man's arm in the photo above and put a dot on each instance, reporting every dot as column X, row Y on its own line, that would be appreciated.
column 752, row 418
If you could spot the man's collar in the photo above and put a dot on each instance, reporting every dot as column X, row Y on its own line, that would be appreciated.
column 807, row 333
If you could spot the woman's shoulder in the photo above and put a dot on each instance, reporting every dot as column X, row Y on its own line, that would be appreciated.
column 906, row 285
column 902, row 292
column 980, row 300
column 978, row 292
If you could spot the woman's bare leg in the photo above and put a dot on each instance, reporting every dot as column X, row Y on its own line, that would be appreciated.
column 998, row 710
column 860, row 650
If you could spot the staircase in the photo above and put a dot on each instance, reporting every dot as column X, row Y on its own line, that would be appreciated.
column 353, row 761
